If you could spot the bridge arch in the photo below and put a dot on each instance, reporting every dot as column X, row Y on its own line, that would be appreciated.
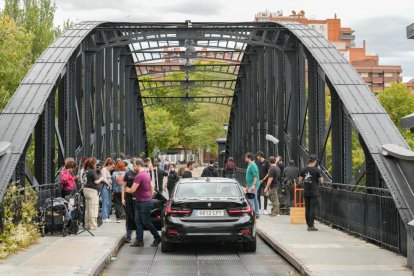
column 90, row 73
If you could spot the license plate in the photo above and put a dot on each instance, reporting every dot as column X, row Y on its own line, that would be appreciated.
column 211, row 213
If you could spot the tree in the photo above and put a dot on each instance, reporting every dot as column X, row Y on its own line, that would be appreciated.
column 36, row 17
column 398, row 102
column 161, row 130
column 15, row 57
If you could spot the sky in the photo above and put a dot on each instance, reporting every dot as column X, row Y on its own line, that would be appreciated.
column 381, row 23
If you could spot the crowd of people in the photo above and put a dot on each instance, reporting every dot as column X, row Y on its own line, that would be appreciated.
column 127, row 184
column 266, row 178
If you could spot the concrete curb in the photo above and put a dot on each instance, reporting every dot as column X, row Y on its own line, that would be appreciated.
column 105, row 259
column 285, row 253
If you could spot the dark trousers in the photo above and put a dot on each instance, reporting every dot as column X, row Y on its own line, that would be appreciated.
column 119, row 209
column 260, row 192
column 311, row 203
column 143, row 219
column 289, row 195
column 170, row 190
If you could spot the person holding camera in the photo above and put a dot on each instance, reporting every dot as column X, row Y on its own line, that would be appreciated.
column 91, row 193
column 311, row 177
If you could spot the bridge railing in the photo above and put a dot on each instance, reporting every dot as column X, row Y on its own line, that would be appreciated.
column 43, row 192
column 367, row 212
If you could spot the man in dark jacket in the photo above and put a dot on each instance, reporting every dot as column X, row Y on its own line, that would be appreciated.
column 290, row 178
column 311, row 177
column 210, row 171
column 172, row 179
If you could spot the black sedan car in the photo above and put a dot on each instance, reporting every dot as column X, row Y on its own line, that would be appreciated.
column 208, row 210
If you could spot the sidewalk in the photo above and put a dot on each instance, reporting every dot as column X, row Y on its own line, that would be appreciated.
column 57, row 255
column 328, row 251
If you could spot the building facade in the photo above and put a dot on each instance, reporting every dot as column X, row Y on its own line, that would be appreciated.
column 378, row 77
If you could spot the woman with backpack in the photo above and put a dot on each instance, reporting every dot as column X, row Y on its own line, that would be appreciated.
column 230, row 168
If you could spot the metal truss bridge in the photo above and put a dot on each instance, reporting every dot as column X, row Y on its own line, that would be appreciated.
column 86, row 96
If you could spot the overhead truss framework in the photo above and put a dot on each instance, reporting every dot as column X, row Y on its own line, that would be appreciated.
column 83, row 97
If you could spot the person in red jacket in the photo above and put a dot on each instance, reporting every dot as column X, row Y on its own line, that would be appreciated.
column 230, row 168
column 67, row 179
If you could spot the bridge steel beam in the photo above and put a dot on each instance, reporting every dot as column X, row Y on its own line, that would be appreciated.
column 89, row 76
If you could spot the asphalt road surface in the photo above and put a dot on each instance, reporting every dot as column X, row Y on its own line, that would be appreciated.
column 198, row 259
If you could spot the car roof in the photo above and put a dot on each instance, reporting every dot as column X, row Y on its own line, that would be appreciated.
column 208, row 179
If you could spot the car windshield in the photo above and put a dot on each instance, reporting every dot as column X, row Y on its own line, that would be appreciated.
column 208, row 189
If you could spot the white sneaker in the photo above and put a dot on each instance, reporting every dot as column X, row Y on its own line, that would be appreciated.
column 260, row 212
column 107, row 220
column 265, row 212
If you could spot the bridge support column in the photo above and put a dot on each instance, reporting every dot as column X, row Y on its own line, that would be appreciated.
column 45, row 143
column 341, row 142
column 261, row 96
column 87, row 87
column 115, row 99
column 99, row 58
column 254, row 108
column 108, row 102
column 280, row 102
column 270, row 99
column 292, row 79
column 316, row 110
column 69, row 98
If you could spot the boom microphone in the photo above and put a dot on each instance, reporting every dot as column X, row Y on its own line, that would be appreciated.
column 272, row 139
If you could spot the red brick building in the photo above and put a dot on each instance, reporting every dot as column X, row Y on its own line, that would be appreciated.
column 377, row 76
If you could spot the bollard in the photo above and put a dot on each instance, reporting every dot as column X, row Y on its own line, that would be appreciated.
column 410, row 244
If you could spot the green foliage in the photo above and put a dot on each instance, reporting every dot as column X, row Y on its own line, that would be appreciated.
column 19, row 228
column 398, row 102
column 162, row 132
column 185, row 125
column 36, row 17
column 15, row 45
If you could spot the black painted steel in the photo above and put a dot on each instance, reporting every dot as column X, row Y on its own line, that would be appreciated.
column 277, row 77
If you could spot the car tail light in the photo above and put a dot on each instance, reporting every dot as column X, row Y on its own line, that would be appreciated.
column 170, row 211
column 246, row 210
column 172, row 232
column 245, row 232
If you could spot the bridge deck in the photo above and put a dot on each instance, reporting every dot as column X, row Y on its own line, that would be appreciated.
column 329, row 251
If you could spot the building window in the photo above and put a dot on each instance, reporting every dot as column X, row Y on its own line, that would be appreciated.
column 376, row 75
column 364, row 75
column 387, row 84
column 388, row 75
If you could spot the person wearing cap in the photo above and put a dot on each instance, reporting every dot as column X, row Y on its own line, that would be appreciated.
column 264, row 167
column 290, row 177
column 311, row 177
